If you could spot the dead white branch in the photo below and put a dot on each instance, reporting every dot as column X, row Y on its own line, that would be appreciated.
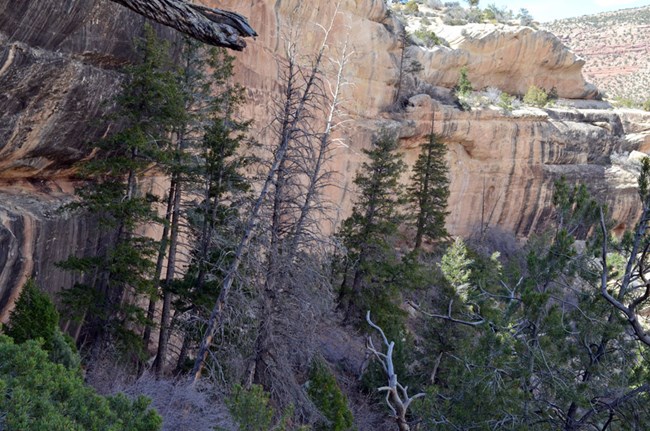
column 397, row 396
column 448, row 316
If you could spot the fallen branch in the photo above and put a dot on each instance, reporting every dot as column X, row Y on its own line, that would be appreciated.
column 212, row 26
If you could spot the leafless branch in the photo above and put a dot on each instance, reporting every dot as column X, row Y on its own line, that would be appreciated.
column 448, row 316
column 397, row 397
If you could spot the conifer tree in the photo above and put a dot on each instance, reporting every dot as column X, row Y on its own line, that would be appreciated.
column 148, row 108
column 536, row 337
column 205, row 103
column 34, row 316
column 219, row 185
column 428, row 192
column 367, row 233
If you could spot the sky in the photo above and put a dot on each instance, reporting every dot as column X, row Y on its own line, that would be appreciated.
column 548, row 10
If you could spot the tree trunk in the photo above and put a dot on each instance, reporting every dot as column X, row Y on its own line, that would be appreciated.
column 162, row 251
column 163, row 338
column 305, row 92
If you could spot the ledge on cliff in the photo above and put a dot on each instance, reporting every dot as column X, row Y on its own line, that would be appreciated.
column 506, row 56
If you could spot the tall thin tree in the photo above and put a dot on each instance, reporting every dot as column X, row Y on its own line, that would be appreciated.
column 429, row 190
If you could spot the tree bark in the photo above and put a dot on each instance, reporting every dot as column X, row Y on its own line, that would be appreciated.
column 212, row 26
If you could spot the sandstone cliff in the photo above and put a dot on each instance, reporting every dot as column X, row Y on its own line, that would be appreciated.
column 58, row 68
column 508, row 57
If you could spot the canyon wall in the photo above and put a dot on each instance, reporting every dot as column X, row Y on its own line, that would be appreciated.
column 59, row 62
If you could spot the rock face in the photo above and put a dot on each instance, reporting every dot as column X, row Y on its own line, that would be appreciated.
column 34, row 236
column 58, row 67
column 511, row 59
column 58, row 63
column 58, row 71
column 503, row 166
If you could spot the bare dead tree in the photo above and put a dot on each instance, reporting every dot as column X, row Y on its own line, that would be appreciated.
column 397, row 397
column 317, row 177
column 295, row 110
column 209, row 25
column 293, row 273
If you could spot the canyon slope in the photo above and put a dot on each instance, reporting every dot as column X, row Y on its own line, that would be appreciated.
column 59, row 70
column 616, row 49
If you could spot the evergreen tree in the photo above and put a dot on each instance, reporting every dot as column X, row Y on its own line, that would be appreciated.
column 428, row 192
column 206, row 103
column 368, row 232
column 42, row 395
column 34, row 316
column 148, row 108
column 217, row 180
column 539, row 349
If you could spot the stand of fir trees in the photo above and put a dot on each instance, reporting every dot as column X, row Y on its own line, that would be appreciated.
column 428, row 192
column 148, row 109
column 371, row 267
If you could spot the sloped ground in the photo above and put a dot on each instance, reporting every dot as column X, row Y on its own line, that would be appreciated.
column 616, row 47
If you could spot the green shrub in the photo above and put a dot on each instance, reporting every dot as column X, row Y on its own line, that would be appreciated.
column 428, row 37
column 41, row 395
column 464, row 86
column 505, row 101
column 250, row 408
column 63, row 351
column 536, row 96
column 489, row 15
column 411, row 7
column 327, row 396
column 34, row 316
column 646, row 105
column 625, row 102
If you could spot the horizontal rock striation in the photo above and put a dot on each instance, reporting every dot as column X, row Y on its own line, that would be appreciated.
column 503, row 166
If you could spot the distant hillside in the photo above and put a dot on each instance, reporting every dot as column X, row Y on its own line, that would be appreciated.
column 616, row 47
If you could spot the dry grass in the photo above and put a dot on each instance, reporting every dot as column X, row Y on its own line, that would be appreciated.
column 183, row 407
